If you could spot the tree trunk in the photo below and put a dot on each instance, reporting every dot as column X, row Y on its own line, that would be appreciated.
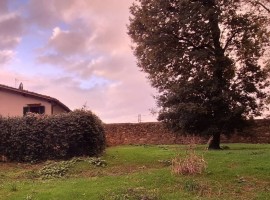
column 215, row 142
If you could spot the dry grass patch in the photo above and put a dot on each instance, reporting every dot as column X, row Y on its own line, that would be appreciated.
column 190, row 164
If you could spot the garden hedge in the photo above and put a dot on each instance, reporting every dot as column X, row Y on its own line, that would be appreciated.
column 39, row 137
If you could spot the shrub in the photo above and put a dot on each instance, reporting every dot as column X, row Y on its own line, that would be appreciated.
column 21, row 139
column 38, row 137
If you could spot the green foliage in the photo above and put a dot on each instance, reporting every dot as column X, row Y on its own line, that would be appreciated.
column 204, row 57
column 37, row 137
column 55, row 170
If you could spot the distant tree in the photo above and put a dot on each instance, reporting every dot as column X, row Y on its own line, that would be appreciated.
column 207, row 60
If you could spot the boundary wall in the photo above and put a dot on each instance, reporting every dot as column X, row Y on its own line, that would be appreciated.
column 157, row 133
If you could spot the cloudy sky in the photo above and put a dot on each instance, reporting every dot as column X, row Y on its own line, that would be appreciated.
column 76, row 51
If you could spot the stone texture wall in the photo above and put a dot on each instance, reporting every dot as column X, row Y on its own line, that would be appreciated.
column 156, row 133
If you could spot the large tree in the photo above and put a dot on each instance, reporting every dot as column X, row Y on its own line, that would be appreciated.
column 207, row 58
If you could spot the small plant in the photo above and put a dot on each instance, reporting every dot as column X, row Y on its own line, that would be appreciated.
column 97, row 162
column 201, row 189
column 29, row 197
column 241, row 179
column 139, row 193
column 55, row 169
column 13, row 187
column 191, row 186
column 165, row 162
column 257, row 152
column 225, row 147
column 60, row 169
column 190, row 164
column 33, row 174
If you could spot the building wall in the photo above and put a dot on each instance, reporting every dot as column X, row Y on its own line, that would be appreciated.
column 156, row 133
column 57, row 109
column 11, row 104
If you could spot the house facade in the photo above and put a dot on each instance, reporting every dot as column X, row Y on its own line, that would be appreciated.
column 17, row 102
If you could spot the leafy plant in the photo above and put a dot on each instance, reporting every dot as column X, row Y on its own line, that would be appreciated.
column 98, row 162
column 60, row 169
column 55, row 170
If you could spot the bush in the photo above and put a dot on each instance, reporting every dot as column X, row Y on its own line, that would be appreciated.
column 38, row 137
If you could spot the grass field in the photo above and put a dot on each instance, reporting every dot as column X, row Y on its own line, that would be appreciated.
column 143, row 173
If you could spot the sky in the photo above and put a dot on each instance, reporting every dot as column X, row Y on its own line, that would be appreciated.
column 78, row 52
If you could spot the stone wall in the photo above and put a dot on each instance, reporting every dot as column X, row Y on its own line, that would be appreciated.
column 156, row 133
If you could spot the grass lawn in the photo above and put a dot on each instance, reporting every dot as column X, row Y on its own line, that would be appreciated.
column 143, row 173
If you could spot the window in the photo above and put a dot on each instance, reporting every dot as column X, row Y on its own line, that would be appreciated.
column 34, row 109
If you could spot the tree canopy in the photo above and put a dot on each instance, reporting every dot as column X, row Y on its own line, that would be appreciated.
column 207, row 58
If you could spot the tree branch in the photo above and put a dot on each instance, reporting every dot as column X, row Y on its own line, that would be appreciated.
column 262, row 5
column 267, row 9
column 202, row 46
column 229, row 40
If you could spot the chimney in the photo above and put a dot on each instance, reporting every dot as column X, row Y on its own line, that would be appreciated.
column 21, row 86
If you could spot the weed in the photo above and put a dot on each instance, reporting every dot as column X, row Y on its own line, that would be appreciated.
column 225, row 147
column 29, row 197
column 202, row 189
column 31, row 174
column 241, row 179
column 191, row 186
column 60, row 169
column 256, row 152
column 165, row 162
column 13, row 187
column 139, row 193
column 55, row 169
column 163, row 147
column 97, row 162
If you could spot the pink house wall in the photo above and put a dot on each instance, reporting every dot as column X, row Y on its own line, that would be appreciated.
column 57, row 109
column 11, row 104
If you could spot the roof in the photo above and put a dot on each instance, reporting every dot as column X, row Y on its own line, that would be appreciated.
column 33, row 94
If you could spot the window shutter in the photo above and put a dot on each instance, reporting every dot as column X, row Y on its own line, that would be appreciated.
column 25, row 110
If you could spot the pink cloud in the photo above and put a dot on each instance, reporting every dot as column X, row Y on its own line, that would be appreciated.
column 69, row 42
column 3, row 6
column 11, row 30
column 6, row 56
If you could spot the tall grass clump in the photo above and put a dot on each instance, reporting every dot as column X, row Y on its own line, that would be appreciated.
column 189, row 164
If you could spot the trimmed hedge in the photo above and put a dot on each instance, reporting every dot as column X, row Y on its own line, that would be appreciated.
column 38, row 137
